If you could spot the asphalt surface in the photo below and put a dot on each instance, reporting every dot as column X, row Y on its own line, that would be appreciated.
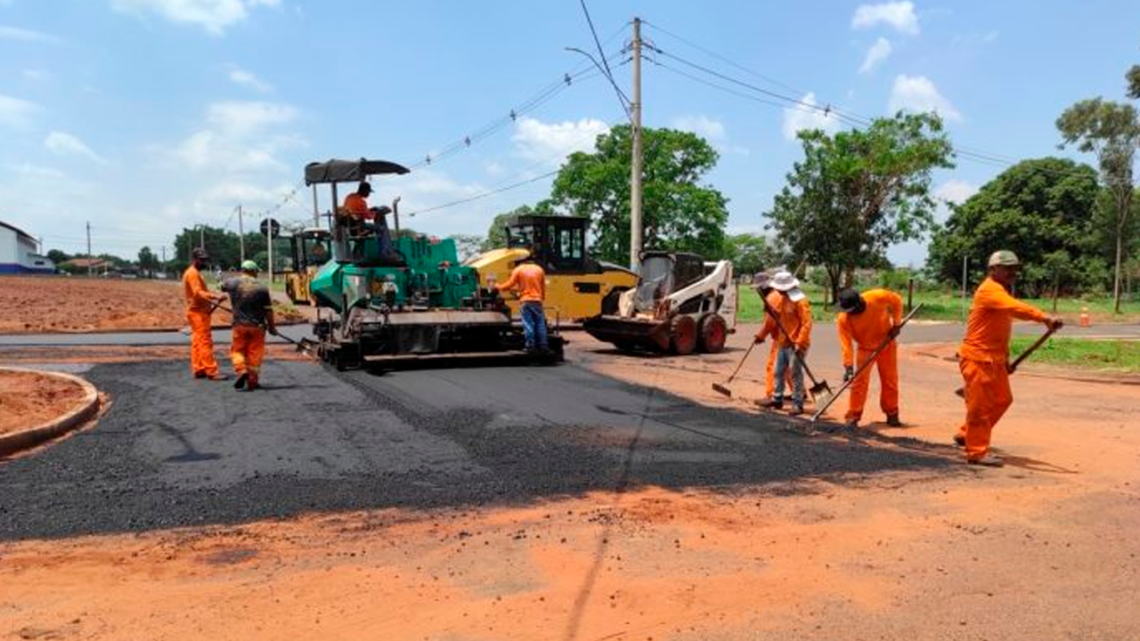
column 177, row 452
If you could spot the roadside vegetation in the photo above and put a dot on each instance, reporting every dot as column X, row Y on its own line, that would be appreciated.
column 1121, row 356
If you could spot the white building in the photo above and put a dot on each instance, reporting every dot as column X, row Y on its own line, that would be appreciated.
column 18, row 253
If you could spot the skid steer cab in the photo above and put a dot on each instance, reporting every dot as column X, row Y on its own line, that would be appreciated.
column 681, row 305
column 385, row 298
column 311, row 248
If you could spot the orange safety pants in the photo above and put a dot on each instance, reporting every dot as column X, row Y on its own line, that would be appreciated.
column 770, row 372
column 202, row 362
column 247, row 350
column 888, row 366
column 987, row 398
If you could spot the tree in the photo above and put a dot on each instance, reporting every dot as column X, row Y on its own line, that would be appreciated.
column 148, row 262
column 1133, row 77
column 751, row 253
column 678, row 213
column 497, row 233
column 858, row 192
column 58, row 257
column 467, row 245
column 1034, row 208
column 1111, row 131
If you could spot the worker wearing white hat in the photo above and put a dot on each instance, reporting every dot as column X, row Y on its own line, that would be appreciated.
column 790, row 305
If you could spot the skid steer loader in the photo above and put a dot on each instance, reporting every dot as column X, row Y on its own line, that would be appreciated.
column 681, row 305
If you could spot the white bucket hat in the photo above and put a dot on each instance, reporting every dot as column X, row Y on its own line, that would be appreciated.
column 784, row 281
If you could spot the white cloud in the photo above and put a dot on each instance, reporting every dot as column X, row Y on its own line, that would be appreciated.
column 241, row 136
column 26, row 35
column 711, row 130
column 212, row 15
column 955, row 191
column 919, row 94
column 65, row 144
column 16, row 113
column 800, row 117
column 878, row 52
column 899, row 15
column 248, row 79
column 536, row 140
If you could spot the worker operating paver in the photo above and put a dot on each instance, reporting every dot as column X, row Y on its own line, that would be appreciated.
column 200, row 304
column 252, row 314
column 867, row 320
column 790, row 305
column 529, row 279
column 984, row 355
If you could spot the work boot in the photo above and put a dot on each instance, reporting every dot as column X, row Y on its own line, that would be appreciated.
column 960, row 439
column 851, row 424
column 893, row 420
column 771, row 403
column 796, row 410
column 219, row 377
column 251, row 383
column 989, row 460
column 240, row 382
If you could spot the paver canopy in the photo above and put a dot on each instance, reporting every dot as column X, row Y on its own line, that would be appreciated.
column 340, row 171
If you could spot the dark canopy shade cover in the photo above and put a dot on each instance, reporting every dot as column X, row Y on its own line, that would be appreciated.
column 344, row 171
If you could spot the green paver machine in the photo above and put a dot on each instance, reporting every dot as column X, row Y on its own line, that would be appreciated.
column 417, row 302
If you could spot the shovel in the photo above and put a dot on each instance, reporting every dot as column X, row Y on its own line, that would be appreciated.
column 820, row 391
column 866, row 364
column 1012, row 367
column 724, row 388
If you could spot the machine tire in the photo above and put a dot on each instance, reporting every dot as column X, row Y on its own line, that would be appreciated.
column 625, row 346
column 712, row 333
column 682, row 335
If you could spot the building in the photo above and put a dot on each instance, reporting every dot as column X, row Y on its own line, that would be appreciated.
column 18, row 253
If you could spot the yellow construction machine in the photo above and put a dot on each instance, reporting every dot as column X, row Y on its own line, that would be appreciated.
column 577, row 286
column 311, row 248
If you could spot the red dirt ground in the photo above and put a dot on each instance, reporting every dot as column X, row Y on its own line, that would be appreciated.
column 1045, row 548
column 28, row 399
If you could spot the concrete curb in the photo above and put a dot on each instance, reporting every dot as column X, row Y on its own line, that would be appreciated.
column 30, row 437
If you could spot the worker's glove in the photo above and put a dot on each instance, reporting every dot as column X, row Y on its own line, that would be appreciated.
column 848, row 373
column 894, row 331
column 759, row 340
column 1055, row 322
column 273, row 331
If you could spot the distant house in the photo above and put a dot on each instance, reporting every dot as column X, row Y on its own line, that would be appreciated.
column 81, row 265
column 18, row 253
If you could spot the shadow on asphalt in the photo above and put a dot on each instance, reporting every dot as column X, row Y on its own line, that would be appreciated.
column 172, row 452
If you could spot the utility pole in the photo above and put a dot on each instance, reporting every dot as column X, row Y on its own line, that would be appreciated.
column 90, row 269
column 965, row 272
column 316, row 209
column 201, row 237
column 635, row 236
column 241, row 235
column 164, row 261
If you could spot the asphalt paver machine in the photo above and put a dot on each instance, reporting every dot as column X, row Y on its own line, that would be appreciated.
column 415, row 303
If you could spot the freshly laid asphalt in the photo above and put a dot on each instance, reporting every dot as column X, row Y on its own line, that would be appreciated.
column 172, row 451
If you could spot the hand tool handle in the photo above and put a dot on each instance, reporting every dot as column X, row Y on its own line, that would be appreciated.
column 867, row 363
column 1032, row 348
column 741, row 363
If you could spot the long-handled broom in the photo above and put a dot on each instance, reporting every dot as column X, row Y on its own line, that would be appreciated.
column 724, row 388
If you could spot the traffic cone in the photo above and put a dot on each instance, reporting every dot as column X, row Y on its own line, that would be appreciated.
column 1085, row 320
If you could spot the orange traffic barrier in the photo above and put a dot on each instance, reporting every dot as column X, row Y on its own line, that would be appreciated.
column 1086, row 321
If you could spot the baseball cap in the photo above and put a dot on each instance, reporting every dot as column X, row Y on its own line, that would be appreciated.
column 199, row 252
column 249, row 266
column 1003, row 257
column 849, row 300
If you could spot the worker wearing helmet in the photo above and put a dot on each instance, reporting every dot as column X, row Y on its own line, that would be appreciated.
column 869, row 319
column 984, row 353
column 200, row 304
column 762, row 283
column 252, row 314
column 790, row 305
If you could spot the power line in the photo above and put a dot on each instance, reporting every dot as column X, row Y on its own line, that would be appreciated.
column 625, row 102
column 483, row 195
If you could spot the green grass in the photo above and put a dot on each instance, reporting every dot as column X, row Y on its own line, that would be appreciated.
column 1114, row 355
column 946, row 306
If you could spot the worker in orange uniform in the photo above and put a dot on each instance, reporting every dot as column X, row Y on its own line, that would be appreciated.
column 529, row 279
column 762, row 282
column 253, row 314
column 869, row 319
column 356, row 204
column 200, row 304
column 790, row 305
column 983, row 355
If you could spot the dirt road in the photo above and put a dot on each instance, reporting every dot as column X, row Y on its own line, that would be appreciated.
column 557, row 503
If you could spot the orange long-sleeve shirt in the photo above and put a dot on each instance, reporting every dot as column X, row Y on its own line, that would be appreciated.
column 194, row 289
column 530, row 280
column 871, row 327
column 357, row 206
column 795, row 317
column 991, row 322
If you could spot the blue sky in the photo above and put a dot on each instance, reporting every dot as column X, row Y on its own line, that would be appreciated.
column 145, row 116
